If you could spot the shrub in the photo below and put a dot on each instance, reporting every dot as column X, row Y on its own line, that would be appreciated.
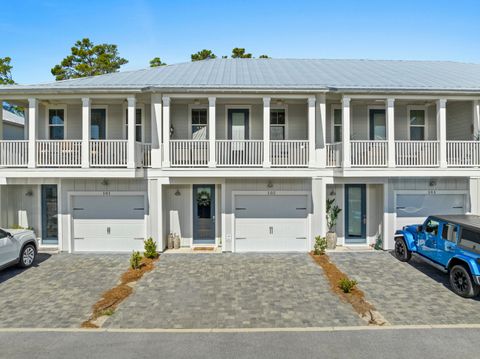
column 347, row 285
column 150, row 247
column 135, row 260
column 378, row 243
column 320, row 245
column 332, row 214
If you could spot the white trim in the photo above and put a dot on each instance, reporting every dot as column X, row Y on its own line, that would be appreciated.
column 139, row 106
column 217, row 232
column 47, row 119
column 376, row 107
column 105, row 107
column 197, row 107
column 333, row 107
column 239, row 107
column 425, row 125
column 285, row 108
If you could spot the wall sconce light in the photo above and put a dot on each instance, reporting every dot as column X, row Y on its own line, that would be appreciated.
column 177, row 192
column 270, row 184
column 332, row 193
column 29, row 193
column 104, row 182
column 432, row 183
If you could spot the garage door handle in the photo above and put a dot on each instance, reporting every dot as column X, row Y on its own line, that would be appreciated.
column 301, row 209
column 240, row 237
column 400, row 207
column 240, row 209
column 79, row 238
column 458, row 207
column 301, row 238
column 138, row 238
column 78, row 209
column 138, row 209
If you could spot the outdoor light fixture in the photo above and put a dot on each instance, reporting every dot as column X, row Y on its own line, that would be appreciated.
column 29, row 193
column 270, row 184
column 432, row 183
column 104, row 182
column 177, row 192
column 332, row 193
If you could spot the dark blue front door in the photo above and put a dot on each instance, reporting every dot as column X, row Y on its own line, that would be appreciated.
column 355, row 214
column 49, row 214
column 203, row 214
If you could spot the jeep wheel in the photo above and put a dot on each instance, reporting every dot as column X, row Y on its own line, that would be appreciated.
column 27, row 256
column 401, row 251
column 462, row 282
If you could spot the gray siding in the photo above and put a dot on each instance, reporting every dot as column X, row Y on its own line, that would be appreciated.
column 459, row 120
column 12, row 132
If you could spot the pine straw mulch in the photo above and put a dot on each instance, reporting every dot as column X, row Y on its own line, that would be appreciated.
column 356, row 297
column 113, row 297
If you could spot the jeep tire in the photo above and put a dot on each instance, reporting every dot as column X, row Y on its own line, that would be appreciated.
column 462, row 282
column 401, row 250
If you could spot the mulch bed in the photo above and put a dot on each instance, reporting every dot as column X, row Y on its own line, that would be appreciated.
column 356, row 297
column 113, row 297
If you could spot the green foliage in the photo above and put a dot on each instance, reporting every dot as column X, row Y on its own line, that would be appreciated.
column 150, row 247
column 135, row 260
column 6, row 71
column 17, row 226
column 108, row 312
column 239, row 53
column 320, row 245
column 203, row 55
column 156, row 61
column 378, row 243
column 264, row 57
column 347, row 284
column 87, row 59
column 332, row 213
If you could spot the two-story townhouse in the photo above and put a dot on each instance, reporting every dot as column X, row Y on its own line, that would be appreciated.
column 243, row 153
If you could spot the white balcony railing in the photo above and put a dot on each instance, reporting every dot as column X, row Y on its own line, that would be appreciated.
column 289, row 153
column 143, row 154
column 189, row 153
column 334, row 154
column 369, row 153
column 108, row 153
column 13, row 153
column 463, row 153
column 417, row 153
column 246, row 153
column 59, row 153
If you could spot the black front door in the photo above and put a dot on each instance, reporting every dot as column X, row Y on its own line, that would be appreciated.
column 238, row 126
column 203, row 214
column 355, row 214
column 49, row 214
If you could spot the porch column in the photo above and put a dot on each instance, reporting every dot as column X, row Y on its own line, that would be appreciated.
column 346, row 132
column 311, row 132
column 320, row 138
column 212, row 119
column 156, row 122
column 388, row 226
column 319, row 197
column 266, row 132
column 32, row 131
column 442, row 130
column 476, row 119
column 86, row 128
column 132, row 104
column 390, row 104
column 166, row 131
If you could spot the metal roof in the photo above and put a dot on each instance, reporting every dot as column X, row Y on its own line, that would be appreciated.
column 286, row 74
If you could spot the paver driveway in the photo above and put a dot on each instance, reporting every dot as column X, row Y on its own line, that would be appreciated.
column 233, row 291
column 407, row 293
column 58, row 291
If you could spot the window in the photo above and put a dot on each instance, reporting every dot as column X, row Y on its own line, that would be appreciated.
column 470, row 240
column 56, row 124
column 432, row 227
column 199, row 124
column 138, row 125
column 98, row 125
column 337, row 125
column 277, row 125
column 417, row 125
column 449, row 232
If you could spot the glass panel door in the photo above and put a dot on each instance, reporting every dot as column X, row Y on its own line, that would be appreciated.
column 378, row 127
column 203, row 214
column 49, row 214
column 355, row 214
column 238, row 124
column 98, row 126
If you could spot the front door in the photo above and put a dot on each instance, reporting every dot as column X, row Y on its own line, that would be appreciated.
column 98, row 124
column 238, row 126
column 49, row 214
column 378, row 125
column 203, row 214
column 355, row 214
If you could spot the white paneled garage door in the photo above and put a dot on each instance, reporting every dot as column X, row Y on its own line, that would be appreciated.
column 271, row 223
column 414, row 208
column 108, row 223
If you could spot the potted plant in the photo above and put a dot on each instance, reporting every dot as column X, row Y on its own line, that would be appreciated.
column 332, row 215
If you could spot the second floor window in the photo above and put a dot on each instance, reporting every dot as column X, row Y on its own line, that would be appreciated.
column 337, row 125
column 277, row 125
column 199, row 124
column 138, row 125
column 56, row 124
column 417, row 125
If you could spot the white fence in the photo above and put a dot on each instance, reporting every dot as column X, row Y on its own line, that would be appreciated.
column 289, row 153
column 246, row 153
column 369, row 153
column 334, row 154
column 189, row 153
column 417, row 153
column 463, row 153
column 13, row 153
column 59, row 153
column 108, row 153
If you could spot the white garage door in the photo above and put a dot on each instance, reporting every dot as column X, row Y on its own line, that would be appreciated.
column 414, row 208
column 108, row 224
column 271, row 223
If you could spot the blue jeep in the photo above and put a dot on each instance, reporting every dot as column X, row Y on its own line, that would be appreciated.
column 450, row 243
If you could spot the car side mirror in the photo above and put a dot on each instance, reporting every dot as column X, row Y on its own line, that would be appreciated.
column 420, row 228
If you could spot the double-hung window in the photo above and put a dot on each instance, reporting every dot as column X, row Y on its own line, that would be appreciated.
column 417, row 124
column 56, row 124
column 138, row 125
column 199, row 124
column 277, row 125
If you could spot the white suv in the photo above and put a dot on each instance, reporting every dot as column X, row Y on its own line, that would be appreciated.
column 17, row 246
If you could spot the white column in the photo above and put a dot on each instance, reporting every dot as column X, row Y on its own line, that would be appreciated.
column 476, row 119
column 319, row 197
column 311, row 132
column 25, row 127
column 212, row 119
column 346, row 131
column 86, row 116
column 388, row 219
column 32, row 131
column 321, row 130
column 132, row 104
column 266, row 132
column 166, row 131
column 442, row 130
column 390, row 112
column 156, row 122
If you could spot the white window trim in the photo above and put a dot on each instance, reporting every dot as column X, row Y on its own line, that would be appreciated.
column 239, row 107
column 332, row 122
column 141, row 107
column 418, row 107
column 376, row 107
column 281, row 107
column 105, row 107
column 47, row 119
column 197, row 107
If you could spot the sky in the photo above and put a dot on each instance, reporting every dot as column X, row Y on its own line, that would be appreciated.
column 38, row 34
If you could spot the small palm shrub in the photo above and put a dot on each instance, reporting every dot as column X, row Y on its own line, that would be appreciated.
column 320, row 245
column 347, row 284
column 150, row 247
column 135, row 260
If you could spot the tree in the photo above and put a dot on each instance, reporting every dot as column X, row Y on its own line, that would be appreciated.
column 203, row 55
column 88, row 59
column 5, row 71
column 239, row 52
column 264, row 57
column 156, row 61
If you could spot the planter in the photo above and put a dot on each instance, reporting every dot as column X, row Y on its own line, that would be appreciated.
column 176, row 242
column 170, row 241
column 331, row 240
